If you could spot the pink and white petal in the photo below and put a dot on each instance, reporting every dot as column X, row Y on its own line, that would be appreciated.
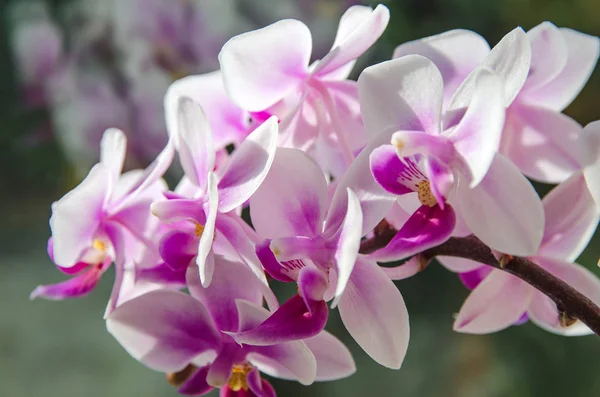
column 290, row 322
column 405, row 270
column 112, row 152
column 334, row 360
column 176, row 210
column 386, row 168
column 583, row 52
column 312, row 284
column 410, row 143
column 204, row 260
column 248, row 166
column 260, row 387
column 292, row 199
column 509, row 59
column 572, row 216
column 441, row 178
column 375, row 202
column 544, row 312
column 426, row 228
column 476, row 138
column 231, row 281
column 590, row 145
column 195, row 146
column 178, row 249
column 348, row 244
column 401, row 94
column 290, row 360
column 498, row 302
column 75, row 287
column 77, row 215
column 164, row 329
column 207, row 90
column 473, row 278
column 508, row 201
column 270, row 263
column 542, row 143
column 221, row 368
column 260, row 67
column 549, row 54
column 374, row 313
column 359, row 28
column 456, row 53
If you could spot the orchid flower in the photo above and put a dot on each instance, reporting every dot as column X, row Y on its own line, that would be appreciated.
column 263, row 73
column 451, row 157
column 205, row 212
column 539, row 139
column 499, row 299
column 590, row 153
column 304, row 244
column 101, row 221
column 172, row 332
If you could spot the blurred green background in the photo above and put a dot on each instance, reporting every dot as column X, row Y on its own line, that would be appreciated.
column 62, row 349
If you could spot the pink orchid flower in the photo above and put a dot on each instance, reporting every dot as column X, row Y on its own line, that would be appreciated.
column 206, row 211
column 451, row 156
column 590, row 154
column 317, row 105
column 169, row 330
column 537, row 138
column 103, row 220
column 306, row 244
column 499, row 299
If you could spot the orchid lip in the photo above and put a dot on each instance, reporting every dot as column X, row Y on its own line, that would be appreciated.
column 239, row 377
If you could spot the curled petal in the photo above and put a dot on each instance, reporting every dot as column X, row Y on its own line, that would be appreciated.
column 405, row 270
column 334, row 360
column 196, row 384
column 312, row 284
column 203, row 259
column 112, row 152
column 248, row 166
column 164, row 329
column 497, row 302
column 261, row 67
column 75, row 287
column 270, row 262
column 386, row 168
column 260, row 387
column 504, row 210
column 426, row 228
column 374, row 313
column 291, row 321
column 401, row 94
column 175, row 210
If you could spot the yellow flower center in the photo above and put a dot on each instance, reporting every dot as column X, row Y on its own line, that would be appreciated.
column 239, row 375
column 99, row 245
column 199, row 230
column 425, row 194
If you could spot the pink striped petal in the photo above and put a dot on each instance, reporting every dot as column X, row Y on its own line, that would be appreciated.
column 260, row 67
column 498, row 302
column 387, row 167
column 374, row 313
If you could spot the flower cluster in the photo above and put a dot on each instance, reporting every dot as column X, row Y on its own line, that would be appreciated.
column 435, row 144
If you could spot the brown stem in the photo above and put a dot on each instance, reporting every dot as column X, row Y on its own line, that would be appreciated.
column 571, row 304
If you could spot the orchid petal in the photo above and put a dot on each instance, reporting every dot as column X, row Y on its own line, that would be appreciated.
column 544, row 312
column 542, row 143
column 504, row 210
column 290, row 322
column 498, row 302
column 175, row 210
column 590, row 143
column 458, row 265
column 477, row 136
column 112, row 152
column 75, row 287
column 473, row 278
column 374, row 313
column 77, row 215
column 347, row 246
column 290, row 360
column 456, row 53
column 441, row 179
column 405, row 270
column 359, row 28
column 260, row 387
column 196, row 149
column 270, row 262
column 509, row 59
column 426, row 228
column 260, row 67
column 312, row 284
column 387, row 168
column 583, row 52
column 248, row 166
column 164, row 329
column 231, row 281
column 196, row 384
column 401, row 94
column 292, row 199
column 571, row 219
column 334, row 360
column 549, row 54
column 204, row 260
